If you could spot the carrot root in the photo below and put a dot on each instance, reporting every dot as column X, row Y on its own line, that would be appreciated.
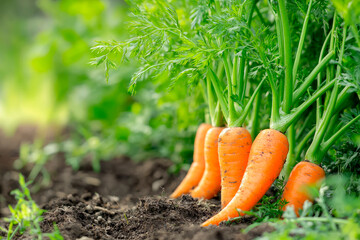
column 303, row 175
column 210, row 182
column 266, row 159
column 234, row 150
column 197, row 168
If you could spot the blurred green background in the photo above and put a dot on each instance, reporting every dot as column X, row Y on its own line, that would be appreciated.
column 46, row 79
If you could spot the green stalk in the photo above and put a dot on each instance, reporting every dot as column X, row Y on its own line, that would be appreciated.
column 290, row 159
column 319, row 219
column 333, row 125
column 243, row 60
column 280, row 38
column 218, row 118
column 356, row 34
column 317, row 156
column 242, row 84
column 323, row 127
column 305, row 125
column 231, row 107
column 311, row 77
column 14, row 232
column 275, row 104
column 203, row 87
column 317, row 149
column 211, row 100
column 326, row 145
column 255, row 120
column 289, row 86
column 235, row 74
column 206, row 100
column 241, row 119
column 262, row 20
column 331, row 48
column 219, row 93
column 341, row 54
column 343, row 99
column 217, row 6
column 251, row 12
column 301, row 42
column 286, row 120
column 288, row 57
column 320, row 133
column 301, row 145
column 220, row 70
column 319, row 78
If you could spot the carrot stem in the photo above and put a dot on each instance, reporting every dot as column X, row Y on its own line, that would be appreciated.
column 290, row 160
column 286, row 120
column 255, row 120
column 301, row 145
column 310, row 78
column 211, row 100
column 355, row 33
column 319, row 106
column 246, row 110
column 326, row 145
column 219, row 93
column 288, row 88
column 231, row 107
column 301, row 42
column 315, row 150
column 329, row 71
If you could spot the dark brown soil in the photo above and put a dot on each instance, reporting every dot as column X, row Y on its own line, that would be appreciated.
column 126, row 200
column 96, row 217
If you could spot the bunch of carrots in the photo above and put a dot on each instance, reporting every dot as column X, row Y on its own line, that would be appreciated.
column 253, row 61
column 226, row 158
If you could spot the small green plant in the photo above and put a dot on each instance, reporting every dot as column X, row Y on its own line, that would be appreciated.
column 36, row 155
column 270, row 207
column 334, row 216
column 26, row 216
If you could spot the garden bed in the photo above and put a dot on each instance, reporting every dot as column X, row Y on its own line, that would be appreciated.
column 125, row 200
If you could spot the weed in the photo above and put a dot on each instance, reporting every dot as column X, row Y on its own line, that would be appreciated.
column 334, row 216
column 26, row 216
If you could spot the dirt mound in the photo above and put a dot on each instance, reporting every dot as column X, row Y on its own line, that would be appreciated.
column 119, row 177
column 99, row 217
column 125, row 200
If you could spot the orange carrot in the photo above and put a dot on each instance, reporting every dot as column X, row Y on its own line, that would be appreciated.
column 266, row 159
column 210, row 182
column 234, row 149
column 303, row 175
column 197, row 168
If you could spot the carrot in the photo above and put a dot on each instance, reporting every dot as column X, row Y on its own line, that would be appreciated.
column 197, row 168
column 234, row 149
column 266, row 159
column 303, row 175
column 210, row 182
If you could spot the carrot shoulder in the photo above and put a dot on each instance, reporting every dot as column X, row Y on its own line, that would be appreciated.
column 210, row 182
column 197, row 168
column 266, row 159
column 303, row 175
column 234, row 149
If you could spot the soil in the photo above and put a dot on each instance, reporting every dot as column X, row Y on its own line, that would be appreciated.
column 125, row 200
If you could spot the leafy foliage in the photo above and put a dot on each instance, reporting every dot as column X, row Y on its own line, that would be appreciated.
column 26, row 216
column 324, row 220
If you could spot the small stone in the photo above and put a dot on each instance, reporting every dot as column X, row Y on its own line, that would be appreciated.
column 84, row 238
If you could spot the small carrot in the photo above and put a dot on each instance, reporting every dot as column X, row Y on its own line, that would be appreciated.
column 266, row 159
column 303, row 175
column 234, row 149
column 197, row 168
column 210, row 182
